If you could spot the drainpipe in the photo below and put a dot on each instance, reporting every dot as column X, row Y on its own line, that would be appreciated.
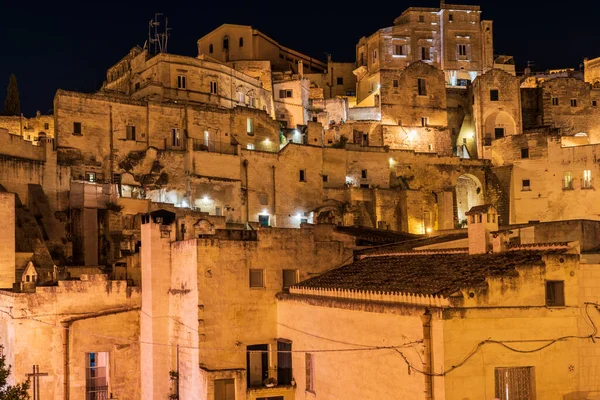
column 66, row 325
column 245, row 163
column 274, row 193
column 428, row 364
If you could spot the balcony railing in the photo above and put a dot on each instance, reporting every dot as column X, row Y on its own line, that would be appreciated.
column 213, row 146
column 96, row 393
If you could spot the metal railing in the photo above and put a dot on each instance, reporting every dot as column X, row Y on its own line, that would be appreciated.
column 213, row 146
column 96, row 393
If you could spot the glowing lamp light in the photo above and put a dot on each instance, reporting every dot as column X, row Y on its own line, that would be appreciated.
column 412, row 135
column 264, row 212
column 428, row 230
column 206, row 199
column 267, row 140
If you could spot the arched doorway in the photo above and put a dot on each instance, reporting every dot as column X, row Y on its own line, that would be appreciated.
column 499, row 124
column 469, row 193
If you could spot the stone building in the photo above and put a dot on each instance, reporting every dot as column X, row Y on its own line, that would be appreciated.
column 428, row 320
column 231, row 42
column 30, row 129
column 291, row 98
column 218, row 292
column 453, row 38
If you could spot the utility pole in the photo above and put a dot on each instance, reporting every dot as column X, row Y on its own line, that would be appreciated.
column 36, row 381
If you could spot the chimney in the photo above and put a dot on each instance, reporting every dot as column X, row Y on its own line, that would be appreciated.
column 301, row 68
column 500, row 241
column 482, row 221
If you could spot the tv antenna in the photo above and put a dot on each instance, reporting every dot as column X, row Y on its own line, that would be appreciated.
column 158, row 39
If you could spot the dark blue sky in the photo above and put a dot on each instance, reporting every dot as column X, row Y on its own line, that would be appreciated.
column 70, row 45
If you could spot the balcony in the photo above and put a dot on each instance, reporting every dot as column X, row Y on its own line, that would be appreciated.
column 280, row 392
column 96, row 393
column 213, row 146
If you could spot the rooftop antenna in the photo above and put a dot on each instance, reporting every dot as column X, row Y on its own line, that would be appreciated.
column 157, row 39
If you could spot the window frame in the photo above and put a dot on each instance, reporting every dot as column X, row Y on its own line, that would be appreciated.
column 573, row 102
column 524, row 153
column 586, row 182
column 494, row 95
column 302, row 175
column 283, row 275
column 250, row 126
column 214, row 88
column 77, row 128
column 552, row 300
column 554, row 101
column 225, row 382
column 567, row 183
column 256, row 271
column 130, row 133
column 421, row 87
column 340, row 81
column 181, row 82
column 525, row 187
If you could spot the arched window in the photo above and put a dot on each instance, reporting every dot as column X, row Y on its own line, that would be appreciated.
column 241, row 42
column 226, row 43
column 210, row 48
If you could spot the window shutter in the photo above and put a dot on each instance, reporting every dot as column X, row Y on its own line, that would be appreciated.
column 282, row 94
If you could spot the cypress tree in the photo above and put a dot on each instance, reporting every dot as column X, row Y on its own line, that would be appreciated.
column 12, row 104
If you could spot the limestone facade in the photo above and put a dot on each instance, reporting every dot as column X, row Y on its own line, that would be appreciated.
column 30, row 129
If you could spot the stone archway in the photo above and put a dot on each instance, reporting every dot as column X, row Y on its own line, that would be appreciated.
column 499, row 124
column 468, row 193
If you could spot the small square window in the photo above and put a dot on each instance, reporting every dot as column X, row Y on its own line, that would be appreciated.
column 77, row 128
column 494, row 95
column 395, row 83
column 498, row 133
column 302, row 175
column 290, row 277
column 525, row 185
column 90, row 176
column 325, row 178
column 555, row 293
column 363, row 174
column 525, row 153
column 130, row 132
column 257, row 278
column 421, row 18
column 573, row 102
column 399, row 50
column 594, row 103
column 340, row 81
column 47, row 125
column 555, row 101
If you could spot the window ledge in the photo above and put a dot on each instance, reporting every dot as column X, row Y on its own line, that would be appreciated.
column 77, row 134
column 587, row 188
column 525, row 190
column 568, row 189
column 257, row 288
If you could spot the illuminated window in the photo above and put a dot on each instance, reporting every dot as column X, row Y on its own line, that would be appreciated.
column 250, row 146
column 567, row 180
column 250, row 126
column 587, row 179
column 90, row 176
column 175, row 137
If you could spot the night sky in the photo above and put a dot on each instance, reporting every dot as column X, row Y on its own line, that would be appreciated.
column 70, row 45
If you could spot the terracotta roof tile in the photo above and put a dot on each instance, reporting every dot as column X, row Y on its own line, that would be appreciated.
column 432, row 274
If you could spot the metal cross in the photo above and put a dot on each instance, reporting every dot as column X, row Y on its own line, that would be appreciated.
column 36, row 383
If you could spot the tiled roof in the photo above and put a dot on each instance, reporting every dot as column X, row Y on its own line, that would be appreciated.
column 479, row 209
column 370, row 236
column 409, row 245
column 437, row 274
